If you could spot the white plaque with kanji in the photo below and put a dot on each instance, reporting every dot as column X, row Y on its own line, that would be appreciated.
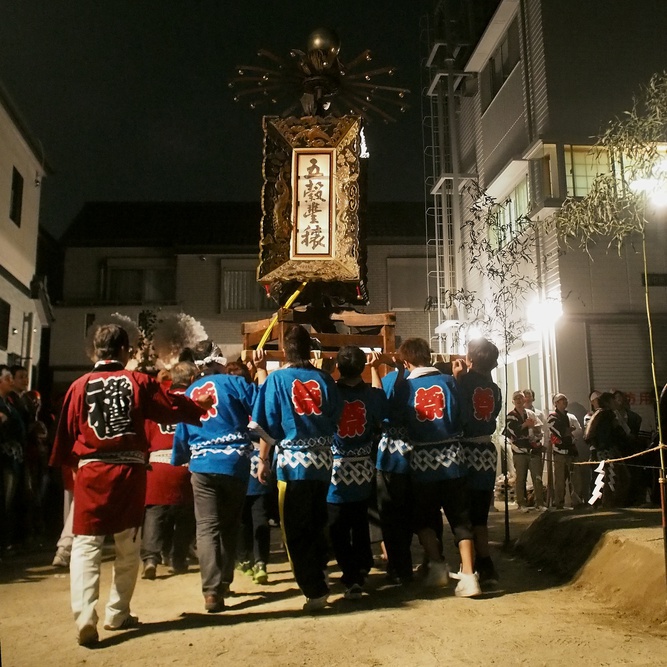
column 313, row 204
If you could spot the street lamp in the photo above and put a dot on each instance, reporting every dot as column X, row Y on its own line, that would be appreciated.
column 542, row 315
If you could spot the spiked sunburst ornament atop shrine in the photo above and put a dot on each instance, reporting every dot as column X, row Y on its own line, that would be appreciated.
column 320, row 82
column 311, row 229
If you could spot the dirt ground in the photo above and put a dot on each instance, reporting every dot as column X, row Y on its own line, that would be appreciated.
column 539, row 615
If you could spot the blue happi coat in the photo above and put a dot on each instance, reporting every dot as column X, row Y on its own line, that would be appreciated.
column 299, row 409
column 364, row 409
column 394, row 448
column 481, row 402
column 426, row 403
column 221, row 445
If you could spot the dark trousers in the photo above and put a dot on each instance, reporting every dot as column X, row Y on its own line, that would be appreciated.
column 351, row 540
column 303, row 516
column 168, row 529
column 218, row 506
column 480, row 504
column 452, row 496
column 255, row 536
column 395, row 509
column 11, row 473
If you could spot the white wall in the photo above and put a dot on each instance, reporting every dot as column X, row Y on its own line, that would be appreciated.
column 607, row 282
column 23, row 343
column 18, row 245
column 573, row 377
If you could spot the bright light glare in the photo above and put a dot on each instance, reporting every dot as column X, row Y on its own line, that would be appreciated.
column 365, row 153
column 542, row 314
column 447, row 325
column 642, row 184
column 474, row 333
column 530, row 336
column 661, row 166
column 659, row 199
column 655, row 188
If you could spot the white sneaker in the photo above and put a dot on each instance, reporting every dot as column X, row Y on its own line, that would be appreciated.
column 438, row 574
column 316, row 604
column 354, row 592
column 468, row 586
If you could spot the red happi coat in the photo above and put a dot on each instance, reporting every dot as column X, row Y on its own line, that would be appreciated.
column 104, row 413
column 165, row 484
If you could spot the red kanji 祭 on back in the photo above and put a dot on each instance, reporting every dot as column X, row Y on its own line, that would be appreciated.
column 353, row 419
column 202, row 390
column 307, row 397
column 483, row 404
column 429, row 403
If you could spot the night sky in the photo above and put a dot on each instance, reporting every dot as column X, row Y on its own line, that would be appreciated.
column 130, row 99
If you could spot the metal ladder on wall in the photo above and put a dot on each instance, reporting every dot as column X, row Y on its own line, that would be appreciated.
column 441, row 219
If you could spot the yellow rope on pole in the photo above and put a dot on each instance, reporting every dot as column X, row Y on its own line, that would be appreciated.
column 288, row 303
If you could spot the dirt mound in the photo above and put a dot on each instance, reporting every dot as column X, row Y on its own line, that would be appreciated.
column 616, row 554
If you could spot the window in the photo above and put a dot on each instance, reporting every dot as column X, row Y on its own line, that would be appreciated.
column 500, row 65
column 582, row 165
column 522, row 373
column 16, row 199
column 88, row 322
column 149, row 280
column 509, row 214
column 241, row 291
column 406, row 282
column 4, row 324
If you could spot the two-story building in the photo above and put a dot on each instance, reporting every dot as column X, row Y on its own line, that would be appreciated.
column 518, row 104
column 24, row 304
column 201, row 259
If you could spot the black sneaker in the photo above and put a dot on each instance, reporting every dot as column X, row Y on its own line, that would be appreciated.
column 488, row 576
column 179, row 568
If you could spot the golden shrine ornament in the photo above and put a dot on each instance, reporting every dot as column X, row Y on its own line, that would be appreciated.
column 310, row 200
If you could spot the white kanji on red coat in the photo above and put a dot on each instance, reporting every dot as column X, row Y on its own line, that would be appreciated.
column 109, row 402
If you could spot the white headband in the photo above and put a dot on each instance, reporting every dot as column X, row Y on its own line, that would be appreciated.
column 209, row 360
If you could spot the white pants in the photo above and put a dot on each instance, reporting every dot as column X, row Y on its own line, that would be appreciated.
column 85, row 577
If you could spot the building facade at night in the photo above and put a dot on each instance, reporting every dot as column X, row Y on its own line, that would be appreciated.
column 201, row 259
column 24, row 304
column 518, row 91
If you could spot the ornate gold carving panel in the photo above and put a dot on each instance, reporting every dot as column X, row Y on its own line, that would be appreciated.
column 310, row 200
